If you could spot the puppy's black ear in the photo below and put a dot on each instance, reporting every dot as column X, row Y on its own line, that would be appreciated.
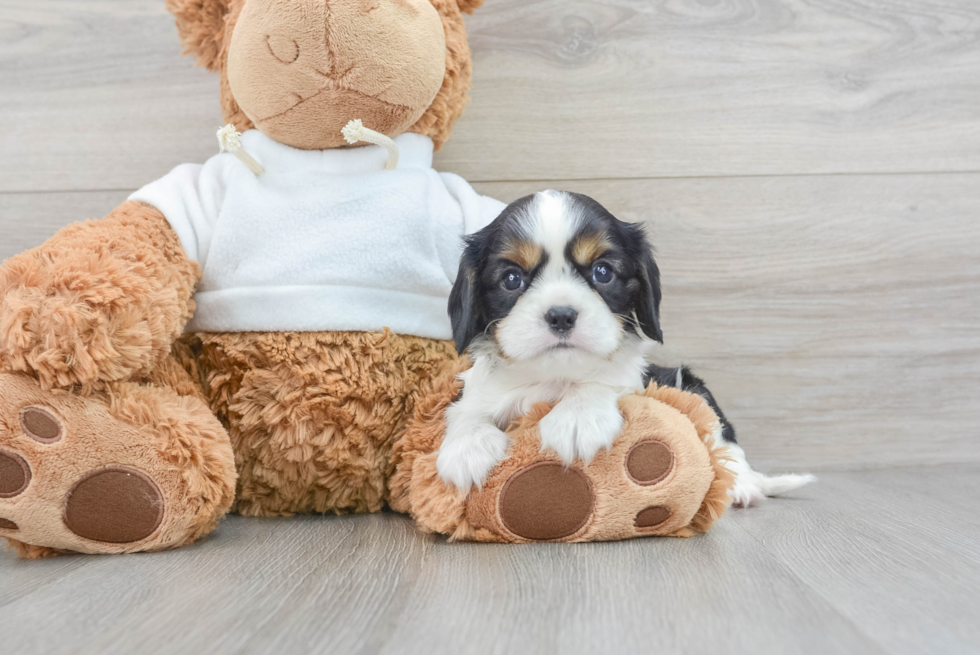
column 648, row 299
column 463, row 300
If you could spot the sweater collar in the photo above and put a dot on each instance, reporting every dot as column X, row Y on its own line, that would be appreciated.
column 415, row 152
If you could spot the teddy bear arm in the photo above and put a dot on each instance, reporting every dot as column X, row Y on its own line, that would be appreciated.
column 101, row 300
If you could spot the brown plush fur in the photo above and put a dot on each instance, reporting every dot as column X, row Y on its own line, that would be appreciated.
column 696, row 490
column 205, row 28
column 99, row 301
column 414, row 490
column 201, row 25
column 160, row 426
column 469, row 6
column 437, row 122
column 313, row 416
column 27, row 551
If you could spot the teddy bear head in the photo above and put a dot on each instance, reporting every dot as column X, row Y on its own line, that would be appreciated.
column 299, row 70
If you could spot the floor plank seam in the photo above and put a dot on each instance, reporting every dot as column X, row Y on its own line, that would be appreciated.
column 9, row 192
column 729, row 176
column 586, row 180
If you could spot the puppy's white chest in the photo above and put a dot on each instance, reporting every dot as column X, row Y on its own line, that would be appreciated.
column 520, row 401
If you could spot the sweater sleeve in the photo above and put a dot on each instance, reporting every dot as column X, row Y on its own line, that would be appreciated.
column 478, row 211
column 190, row 198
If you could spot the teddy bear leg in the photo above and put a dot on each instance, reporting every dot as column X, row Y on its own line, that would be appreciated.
column 659, row 478
column 137, row 467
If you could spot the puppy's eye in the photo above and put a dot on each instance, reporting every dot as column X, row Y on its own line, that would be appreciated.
column 513, row 280
column 602, row 273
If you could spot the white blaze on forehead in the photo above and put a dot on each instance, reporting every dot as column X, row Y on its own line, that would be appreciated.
column 553, row 224
column 550, row 223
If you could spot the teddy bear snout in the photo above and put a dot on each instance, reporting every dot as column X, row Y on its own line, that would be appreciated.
column 301, row 69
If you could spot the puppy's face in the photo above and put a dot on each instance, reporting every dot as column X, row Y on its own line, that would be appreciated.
column 556, row 275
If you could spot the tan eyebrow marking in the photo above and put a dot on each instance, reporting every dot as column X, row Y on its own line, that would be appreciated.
column 587, row 248
column 524, row 253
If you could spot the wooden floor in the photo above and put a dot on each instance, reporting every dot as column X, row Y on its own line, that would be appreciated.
column 810, row 173
column 885, row 561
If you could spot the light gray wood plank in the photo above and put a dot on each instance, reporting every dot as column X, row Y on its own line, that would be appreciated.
column 253, row 586
column 953, row 487
column 23, row 577
column 863, row 561
column 28, row 219
column 720, row 593
column 96, row 95
column 373, row 584
column 901, row 564
column 835, row 317
column 631, row 88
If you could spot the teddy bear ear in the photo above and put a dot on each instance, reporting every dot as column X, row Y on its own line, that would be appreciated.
column 469, row 5
column 201, row 25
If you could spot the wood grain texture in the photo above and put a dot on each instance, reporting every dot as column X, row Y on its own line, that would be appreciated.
column 862, row 562
column 900, row 563
column 632, row 88
column 555, row 599
column 96, row 95
column 835, row 317
column 28, row 219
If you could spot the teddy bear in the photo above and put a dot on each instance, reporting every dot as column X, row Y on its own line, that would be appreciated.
column 255, row 333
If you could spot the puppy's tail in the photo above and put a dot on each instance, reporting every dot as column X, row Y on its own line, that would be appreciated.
column 775, row 485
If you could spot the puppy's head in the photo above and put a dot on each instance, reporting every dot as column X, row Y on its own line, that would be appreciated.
column 554, row 275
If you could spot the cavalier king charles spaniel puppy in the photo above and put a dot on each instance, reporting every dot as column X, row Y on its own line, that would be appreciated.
column 558, row 301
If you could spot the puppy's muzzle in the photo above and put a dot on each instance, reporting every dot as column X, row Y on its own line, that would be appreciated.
column 561, row 320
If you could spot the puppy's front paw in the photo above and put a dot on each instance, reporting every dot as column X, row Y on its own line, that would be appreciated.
column 467, row 459
column 574, row 430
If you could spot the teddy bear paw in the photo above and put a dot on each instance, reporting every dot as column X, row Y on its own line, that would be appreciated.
column 652, row 481
column 547, row 501
column 75, row 478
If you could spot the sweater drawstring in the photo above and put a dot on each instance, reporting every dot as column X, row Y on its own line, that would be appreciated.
column 355, row 131
column 230, row 140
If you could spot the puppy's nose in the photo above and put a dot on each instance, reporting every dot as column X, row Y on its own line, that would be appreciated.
column 561, row 320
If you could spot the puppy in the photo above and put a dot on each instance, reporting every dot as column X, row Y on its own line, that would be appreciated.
column 558, row 301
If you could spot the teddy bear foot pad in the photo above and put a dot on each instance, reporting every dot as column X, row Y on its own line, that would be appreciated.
column 632, row 490
column 547, row 501
column 74, row 477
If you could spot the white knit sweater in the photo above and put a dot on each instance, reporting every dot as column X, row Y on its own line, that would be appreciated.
column 323, row 240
